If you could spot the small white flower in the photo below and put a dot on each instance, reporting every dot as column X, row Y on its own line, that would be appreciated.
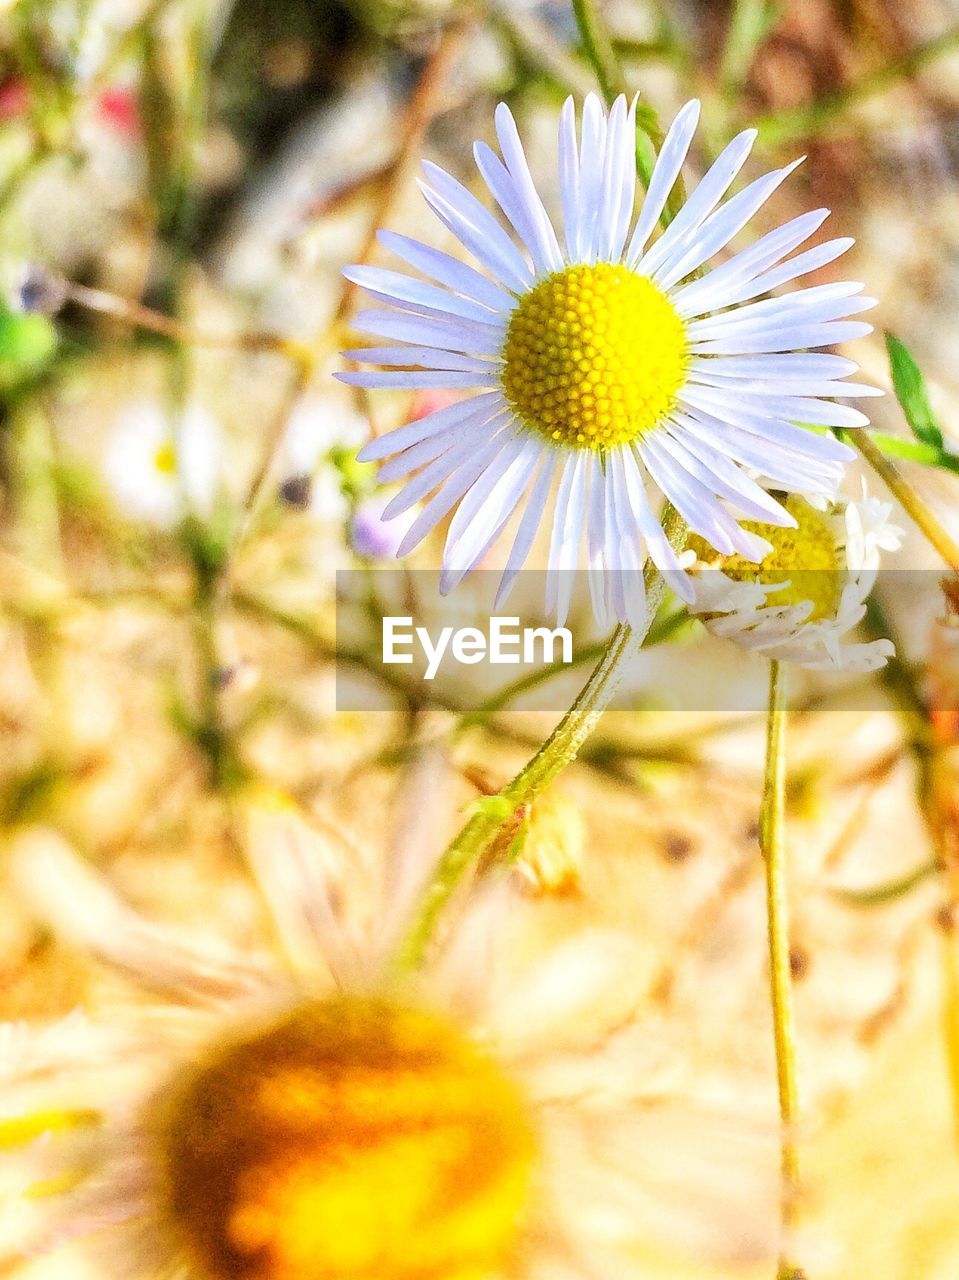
column 604, row 362
column 160, row 470
column 317, row 424
column 811, row 589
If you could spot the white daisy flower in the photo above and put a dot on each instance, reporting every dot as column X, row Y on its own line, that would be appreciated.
column 604, row 362
column 160, row 471
column 810, row 590
column 315, row 1117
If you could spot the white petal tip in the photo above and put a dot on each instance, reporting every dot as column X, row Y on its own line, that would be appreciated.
column 408, row 543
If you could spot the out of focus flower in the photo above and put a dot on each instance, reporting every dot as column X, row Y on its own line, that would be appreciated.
column 40, row 290
column 811, row 589
column 607, row 361
column 14, row 98
column 160, row 469
column 423, row 403
column 119, row 106
column 372, row 537
column 320, row 1117
column 316, row 427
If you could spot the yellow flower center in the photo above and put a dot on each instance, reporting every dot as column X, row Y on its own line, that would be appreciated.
column 355, row 1140
column 806, row 557
column 594, row 356
column 164, row 460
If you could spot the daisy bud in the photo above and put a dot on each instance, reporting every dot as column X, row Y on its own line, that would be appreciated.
column 550, row 856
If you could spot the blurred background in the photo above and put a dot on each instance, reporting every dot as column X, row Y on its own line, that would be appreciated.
column 180, row 183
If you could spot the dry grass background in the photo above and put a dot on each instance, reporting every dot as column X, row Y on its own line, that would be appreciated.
column 128, row 701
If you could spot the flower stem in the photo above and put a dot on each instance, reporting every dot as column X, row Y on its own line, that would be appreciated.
column 560, row 749
column 908, row 499
column 599, row 50
column 772, row 840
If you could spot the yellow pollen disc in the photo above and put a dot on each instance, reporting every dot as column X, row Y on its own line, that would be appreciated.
column 806, row 557
column 355, row 1140
column 164, row 460
column 594, row 356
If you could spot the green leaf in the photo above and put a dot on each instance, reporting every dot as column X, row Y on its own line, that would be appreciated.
column 497, row 807
column 911, row 392
column 26, row 343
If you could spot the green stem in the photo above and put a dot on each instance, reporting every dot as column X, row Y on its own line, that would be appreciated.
column 929, row 455
column 815, row 116
column 749, row 24
column 601, row 54
column 599, row 49
column 559, row 750
column 907, row 497
column 878, row 895
column 773, row 842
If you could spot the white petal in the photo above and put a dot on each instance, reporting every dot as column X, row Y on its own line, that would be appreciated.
column 732, row 409
column 802, row 264
column 528, row 527
column 804, row 306
column 714, row 185
column 498, row 180
column 723, row 477
column 408, row 380
column 424, row 451
column 791, row 339
column 797, row 366
column 627, row 557
column 592, row 153
column 619, row 179
column 416, row 295
column 695, row 502
column 459, row 451
column 672, row 157
column 598, row 516
column 450, row 492
column 727, row 403
column 710, row 292
column 543, row 244
column 567, row 535
column 789, row 468
column 485, row 510
column 773, row 387
column 449, row 271
column 452, row 335
column 569, row 176
column 720, row 227
column 421, row 357
column 449, row 418
column 661, row 552
column 482, row 235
